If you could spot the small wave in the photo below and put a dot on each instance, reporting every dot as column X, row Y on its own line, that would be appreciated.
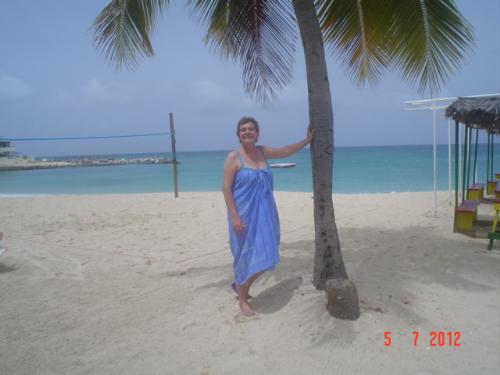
column 3, row 195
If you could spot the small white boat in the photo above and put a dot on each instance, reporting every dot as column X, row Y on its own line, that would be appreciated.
column 283, row 165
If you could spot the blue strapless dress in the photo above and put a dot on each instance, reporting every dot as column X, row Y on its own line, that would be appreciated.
column 256, row 248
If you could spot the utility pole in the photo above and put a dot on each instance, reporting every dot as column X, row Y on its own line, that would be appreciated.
column 172, row 139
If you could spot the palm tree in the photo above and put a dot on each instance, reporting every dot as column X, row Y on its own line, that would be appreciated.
column 425, row 39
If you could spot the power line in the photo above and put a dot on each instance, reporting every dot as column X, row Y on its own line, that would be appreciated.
column 73, row 138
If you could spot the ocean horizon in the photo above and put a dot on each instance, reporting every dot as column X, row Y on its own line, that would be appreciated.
column 357, row 170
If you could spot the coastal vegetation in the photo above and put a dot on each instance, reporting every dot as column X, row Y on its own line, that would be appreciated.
column 424, row 39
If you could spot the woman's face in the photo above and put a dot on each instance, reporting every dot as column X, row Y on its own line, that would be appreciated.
column 248, row 133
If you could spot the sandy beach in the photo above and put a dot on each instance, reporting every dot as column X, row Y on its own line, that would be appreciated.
column 140, row 284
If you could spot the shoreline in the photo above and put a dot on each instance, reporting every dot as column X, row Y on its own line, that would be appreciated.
column 29, row 195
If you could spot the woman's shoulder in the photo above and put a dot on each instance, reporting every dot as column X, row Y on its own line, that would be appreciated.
column 232, row 155
column 232, row 159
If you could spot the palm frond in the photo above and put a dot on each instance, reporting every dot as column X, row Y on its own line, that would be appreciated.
column 121, row 30
column 356, row 30
column 430, row 39
column 425, row 39
column 260, row 34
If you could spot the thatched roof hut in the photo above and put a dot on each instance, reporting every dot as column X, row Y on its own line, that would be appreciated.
column 481, row 112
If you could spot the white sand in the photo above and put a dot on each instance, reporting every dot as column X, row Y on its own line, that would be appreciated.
column 139, row 284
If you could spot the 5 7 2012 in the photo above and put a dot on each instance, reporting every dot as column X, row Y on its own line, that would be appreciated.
column 433, row 339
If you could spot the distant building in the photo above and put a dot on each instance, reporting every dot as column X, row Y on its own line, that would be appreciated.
column 6, row 150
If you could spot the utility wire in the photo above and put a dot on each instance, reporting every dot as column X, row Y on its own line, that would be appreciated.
column 73, row 138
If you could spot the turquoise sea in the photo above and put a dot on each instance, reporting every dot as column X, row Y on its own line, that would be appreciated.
column 379, row 169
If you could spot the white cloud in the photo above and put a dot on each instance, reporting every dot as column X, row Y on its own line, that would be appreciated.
column 60, row 97
column 96, row 92
column 207, row 95
column 13, row 88
column 206, row 90
column 93, row 93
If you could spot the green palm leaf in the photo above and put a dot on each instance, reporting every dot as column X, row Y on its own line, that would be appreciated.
column 260, row 34
column 429, row 40
column 122, row 28
column 356, row 30
column 425, row 39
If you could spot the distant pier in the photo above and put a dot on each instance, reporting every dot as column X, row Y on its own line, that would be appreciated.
column 17, row 164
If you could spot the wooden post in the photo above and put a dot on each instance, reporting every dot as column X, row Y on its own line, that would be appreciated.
column 172, row 139
column 464, row 173
column 475, row 158
column 457, row 148
column 469, row 158
column 488, row 158
column 491, row 157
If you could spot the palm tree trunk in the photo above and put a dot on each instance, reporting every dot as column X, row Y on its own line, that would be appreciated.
column 328, row 262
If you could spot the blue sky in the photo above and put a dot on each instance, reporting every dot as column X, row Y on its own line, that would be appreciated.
column 53, row 83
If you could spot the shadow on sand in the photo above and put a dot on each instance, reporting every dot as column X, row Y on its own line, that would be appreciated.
column 5, row 268
column 389, row 267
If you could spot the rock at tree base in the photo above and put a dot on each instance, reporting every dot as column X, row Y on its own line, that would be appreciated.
column 342, row 299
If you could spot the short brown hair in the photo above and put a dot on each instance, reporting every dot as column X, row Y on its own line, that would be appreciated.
column 245, row 120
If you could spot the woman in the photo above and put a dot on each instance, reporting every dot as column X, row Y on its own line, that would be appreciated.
column 254, row 232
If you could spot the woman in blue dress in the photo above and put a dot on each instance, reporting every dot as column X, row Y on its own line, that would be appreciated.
column 254, row 232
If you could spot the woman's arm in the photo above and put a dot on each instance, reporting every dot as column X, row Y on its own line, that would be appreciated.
column 283, row 152
column 230, row 169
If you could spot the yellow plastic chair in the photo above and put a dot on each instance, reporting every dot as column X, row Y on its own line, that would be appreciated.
column 494, row 235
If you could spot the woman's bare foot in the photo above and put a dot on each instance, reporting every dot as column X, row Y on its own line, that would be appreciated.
column 245, row 308
column 242, row 291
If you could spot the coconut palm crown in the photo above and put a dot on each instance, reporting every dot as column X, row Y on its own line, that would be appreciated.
column 425, row 39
